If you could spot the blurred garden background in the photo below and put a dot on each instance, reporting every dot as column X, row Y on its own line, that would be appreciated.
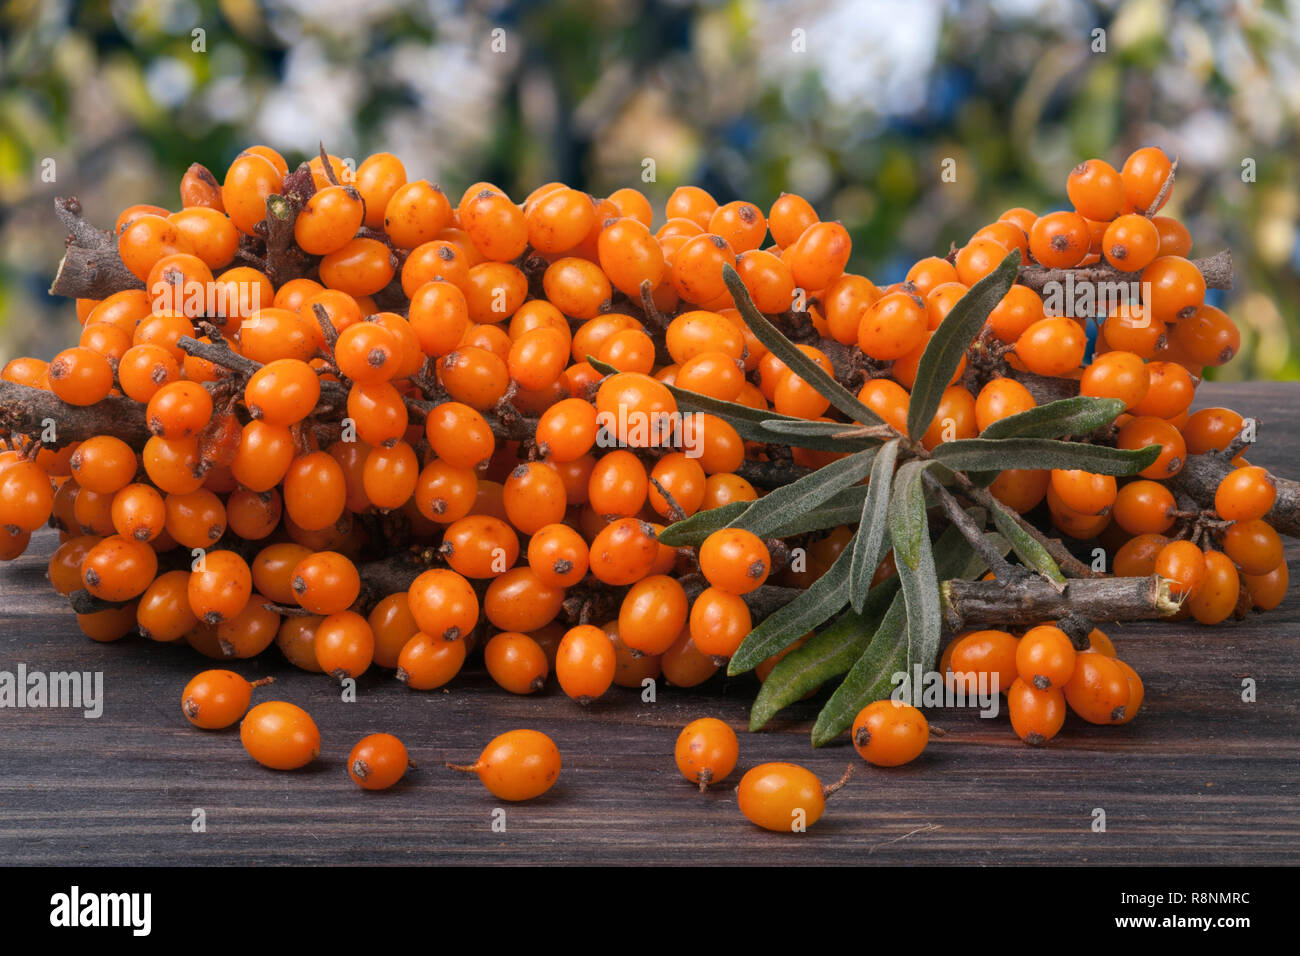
column 855, row 105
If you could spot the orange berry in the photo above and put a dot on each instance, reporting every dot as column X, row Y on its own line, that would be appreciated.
column 1143, row 176
column 1183, row 564
column 889, row 733
column 1052, row 346
column 427, row 662
column 1036, row 715
column 1244, row 494
column 585, row 663
column 215, row 699
column 518, row 765
column 345, row 644
column 1083, row 492
column 734, row 560
column 1144, row 507
column 1096, row 190
column 1217, row 597
column 1098, row 691
column 378, row 761
column 1253, row 545
column 1059, row 240
column 782, row 797
column 516, row 662
column 706, row 751
column 1117, row 374
column 719, row 622
column 1131, row 242
column 280, row 735
column 1045, row 657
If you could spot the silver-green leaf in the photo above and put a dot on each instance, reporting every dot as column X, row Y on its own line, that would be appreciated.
column 999, row 454
column 795, row 360
column 1079, row 415
column 952, row 338
column 869, row 542
column 768, row 513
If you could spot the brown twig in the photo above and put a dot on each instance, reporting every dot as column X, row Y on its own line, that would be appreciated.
column 91, row 267
column 1165, row 188
column 36, row 412
column 284, row 260
column 1030, row 601
column 1000, row 566
column 1200, row 478
column 771, row 474
column 1070, row 566
column 219, row 354
column 1217, row 270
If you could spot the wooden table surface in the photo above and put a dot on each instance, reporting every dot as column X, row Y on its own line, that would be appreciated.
column 1199, row 777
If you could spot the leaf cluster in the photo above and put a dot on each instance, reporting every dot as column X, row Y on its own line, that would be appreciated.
column 865, row 634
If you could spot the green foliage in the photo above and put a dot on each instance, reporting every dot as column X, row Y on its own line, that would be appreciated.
column 895, row 511
column 948, row 345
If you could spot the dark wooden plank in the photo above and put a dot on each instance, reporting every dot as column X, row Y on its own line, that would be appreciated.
column 1199, row 777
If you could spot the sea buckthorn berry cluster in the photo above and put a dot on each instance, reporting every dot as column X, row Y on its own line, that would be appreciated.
column 1044, row 675
column 426, row 432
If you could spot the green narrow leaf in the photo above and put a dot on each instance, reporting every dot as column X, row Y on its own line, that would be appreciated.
column 794, row 360
column 869, row 542
column 952, row 338
column 998, row 454
column 819, row 436
column 761, row 424
column 844, row 507
column 871, row 677
column 907, row 524
column 747, row 421
column 1070, row 416
column 920, row 586
column 825, row 656
column 691, row 532
column 806, row 427
column 1026, row 546
column 823, row 600
column 768, row 513
column 910, row 529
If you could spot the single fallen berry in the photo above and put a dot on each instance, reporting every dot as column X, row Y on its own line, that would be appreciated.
column 706, row 752
column 378, row 761
column 518, row 765
column 215, row 699
column 280, row 735
column 785, row 797
column 890, row 733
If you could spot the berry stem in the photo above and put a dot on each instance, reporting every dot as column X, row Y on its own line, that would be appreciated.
column 1070, row 566
column 675, row 511
column 840, row 783
column 955, row 513
column 218, row 353
column 705, row 778
column 1165, row 187
column 284, row 260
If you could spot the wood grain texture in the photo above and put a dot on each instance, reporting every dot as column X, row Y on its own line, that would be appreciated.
column 1199, row 777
